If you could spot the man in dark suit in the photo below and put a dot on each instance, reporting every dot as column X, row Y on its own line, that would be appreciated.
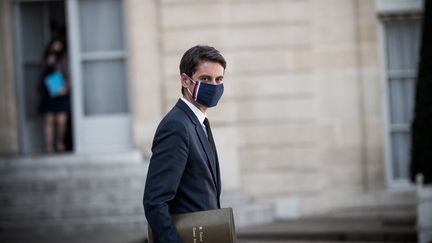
column 184, row 175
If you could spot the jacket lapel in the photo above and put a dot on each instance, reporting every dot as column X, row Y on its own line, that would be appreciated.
column 211, row 158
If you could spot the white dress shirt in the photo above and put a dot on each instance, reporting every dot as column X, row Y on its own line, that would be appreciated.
column 199, row 114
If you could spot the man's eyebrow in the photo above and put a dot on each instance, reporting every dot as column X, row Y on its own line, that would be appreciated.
column 209, row 76
column 205, row 76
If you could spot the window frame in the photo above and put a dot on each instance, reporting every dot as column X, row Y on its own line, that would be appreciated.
column 391, row 182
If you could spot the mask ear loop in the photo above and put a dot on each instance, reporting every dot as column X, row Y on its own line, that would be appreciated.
column 196, row 90
column 197, row 85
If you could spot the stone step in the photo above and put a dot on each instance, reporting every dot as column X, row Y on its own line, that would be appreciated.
column 392, row 210
column 400, row 212
column 71, row 200
column 67, row 197
column 330, row 229
column 69, row 160
column 76, row 224
column 69, row 210
column 385, row 217
column 113, row 235
column 71, row 184
column 69, row 167
column 71, row 192
column 87, row 191
column 75, row 173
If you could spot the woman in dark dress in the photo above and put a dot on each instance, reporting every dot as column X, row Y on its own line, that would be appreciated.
column 54, row 95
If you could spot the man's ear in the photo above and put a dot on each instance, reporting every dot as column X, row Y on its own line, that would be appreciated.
column 184, row 80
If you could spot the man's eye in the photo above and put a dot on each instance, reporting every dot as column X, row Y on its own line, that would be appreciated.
column 204, row 79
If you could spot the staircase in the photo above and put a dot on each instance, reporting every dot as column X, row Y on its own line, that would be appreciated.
column 72, row 192
column 89, row 193
column 75, row 193
column 387, row 219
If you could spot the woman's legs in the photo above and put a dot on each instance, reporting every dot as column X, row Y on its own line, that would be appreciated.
column 61, row 119
column 49, row 130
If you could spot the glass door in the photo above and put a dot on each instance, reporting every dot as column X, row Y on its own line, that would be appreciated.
column 35, row 23
column 98, row 63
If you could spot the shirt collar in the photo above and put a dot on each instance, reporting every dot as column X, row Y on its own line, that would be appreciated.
column 199, row 114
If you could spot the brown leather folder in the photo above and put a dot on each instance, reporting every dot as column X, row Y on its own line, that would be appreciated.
column 212, row 226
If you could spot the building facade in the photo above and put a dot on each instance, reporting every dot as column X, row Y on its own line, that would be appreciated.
column 318, row 98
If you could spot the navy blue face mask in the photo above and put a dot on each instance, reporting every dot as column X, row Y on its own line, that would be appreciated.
column 206, row 94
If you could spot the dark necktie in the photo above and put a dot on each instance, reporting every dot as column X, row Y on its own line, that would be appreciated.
column 210, row 136
column 216, row 173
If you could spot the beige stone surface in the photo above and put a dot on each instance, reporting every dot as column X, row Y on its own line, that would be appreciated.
column 245, row 61
column 258, row 134
column 239, row 37
column 277, row 108
column 342, row 169
column 302, row 114
column 143, row 63
column 370, row 50
column 271, row 84
column 8, row 105
column 225, row 113
column 195, row 13
column 302, row 104
column 281, row 157
column 275, row 183
column 228, row 153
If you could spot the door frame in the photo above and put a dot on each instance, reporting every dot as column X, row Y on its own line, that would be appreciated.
column 83, row 124
column 19, row 60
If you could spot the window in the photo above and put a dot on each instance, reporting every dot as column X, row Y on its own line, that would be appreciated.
column 104, row 57
column 402, row 41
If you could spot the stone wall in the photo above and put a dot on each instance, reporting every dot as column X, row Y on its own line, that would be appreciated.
column 301, row 116
column 8, row 119
column 346, row 67
column 143, row 63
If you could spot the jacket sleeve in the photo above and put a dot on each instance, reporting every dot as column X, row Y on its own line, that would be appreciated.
column 168, row 161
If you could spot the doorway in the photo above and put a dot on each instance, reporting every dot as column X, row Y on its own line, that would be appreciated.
column 36, row 23
column 97, row 56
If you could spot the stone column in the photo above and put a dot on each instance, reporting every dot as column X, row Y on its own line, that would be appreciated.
column 144, row 78
column 8, row 106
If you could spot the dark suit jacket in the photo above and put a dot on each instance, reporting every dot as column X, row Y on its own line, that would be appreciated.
column 183, row 175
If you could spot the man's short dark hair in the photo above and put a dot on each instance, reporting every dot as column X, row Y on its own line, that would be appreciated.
column 193, row 57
